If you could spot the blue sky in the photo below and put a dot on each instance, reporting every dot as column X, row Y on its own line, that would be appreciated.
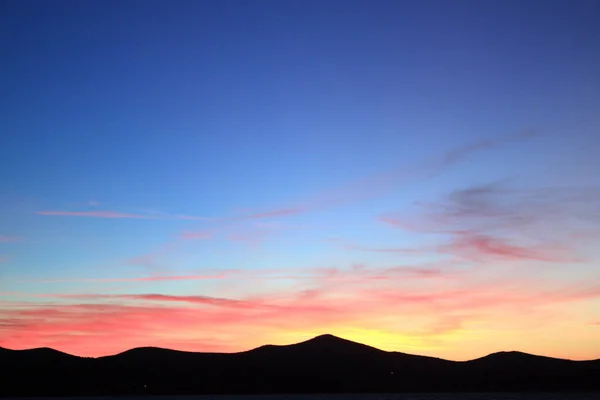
column 148, row 139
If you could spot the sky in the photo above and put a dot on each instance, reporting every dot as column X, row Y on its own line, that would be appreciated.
column 420, row 176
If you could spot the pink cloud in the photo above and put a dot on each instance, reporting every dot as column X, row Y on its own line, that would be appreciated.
column 277, row 213
column 155, row 278
column 251, row 237
column 422, row 272
column 160, row 260
column 199, row 235
column 6, row 239
column 94, row 214
column 251, row 233
column 202, row 300
column 120, row 215
column 542, row 224
column 471, row 250
column 183, row 217
column 490, row 298
column 138, row 325
column 352, row 246
column 481, row 247
column 206, row 300
column 358, row 275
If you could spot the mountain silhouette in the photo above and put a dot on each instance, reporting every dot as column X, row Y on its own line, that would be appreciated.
column 324, row 364
column 328, row 345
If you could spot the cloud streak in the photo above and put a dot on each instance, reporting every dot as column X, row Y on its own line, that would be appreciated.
column 495, row 222
column 480, row 247
column 197, row 300
column 94, row 214
column 107, row 214
column 367, row 188
column 154, row 278
column 198, row 235
column 382, row 183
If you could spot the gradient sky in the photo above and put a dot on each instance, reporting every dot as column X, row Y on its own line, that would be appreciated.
column 420, row 176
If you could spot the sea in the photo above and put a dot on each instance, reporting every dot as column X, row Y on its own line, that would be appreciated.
column 403, row 396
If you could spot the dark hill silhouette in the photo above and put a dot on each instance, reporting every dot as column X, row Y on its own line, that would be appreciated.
column 322, row 364
column 39, row 352
column 324, row 344
column 517, row 356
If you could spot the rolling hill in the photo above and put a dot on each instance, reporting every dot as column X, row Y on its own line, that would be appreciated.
column 324, row 364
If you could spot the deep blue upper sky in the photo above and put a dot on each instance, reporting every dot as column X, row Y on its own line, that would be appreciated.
column 128, row 100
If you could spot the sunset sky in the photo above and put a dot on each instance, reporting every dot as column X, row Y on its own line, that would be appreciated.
column 421, row 176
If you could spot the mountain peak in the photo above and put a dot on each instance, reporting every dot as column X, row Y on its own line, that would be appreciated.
column 329, row 342
column 325, row 344
column 508, row 356
column 328, row 337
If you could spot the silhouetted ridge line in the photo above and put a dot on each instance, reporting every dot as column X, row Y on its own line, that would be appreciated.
column 333, row 341
column 328, row 339
column 42, row 351
column 517, row 355
column 148, row 349
column 324, row 364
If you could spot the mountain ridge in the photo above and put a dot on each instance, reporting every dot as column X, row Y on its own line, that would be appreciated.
column 323, row 338
column 323, row 364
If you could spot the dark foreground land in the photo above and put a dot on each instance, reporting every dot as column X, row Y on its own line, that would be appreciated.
column 325, row 364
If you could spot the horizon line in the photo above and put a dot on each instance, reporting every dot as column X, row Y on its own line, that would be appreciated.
column 324, row 335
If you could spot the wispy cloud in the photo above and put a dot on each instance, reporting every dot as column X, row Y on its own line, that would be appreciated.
column 204, row 300
column 197, row 235
column 6, row 238
column 480, row 247
column 251, row 237
column 377, row 185
column 283, row 212
column 353, row 246
column 362, row 189
column 120, row 215
column 201, row 300
column 496, row 222
column 361, row 273
column 159, row 261
column 251, row 232
column 94, row 214
column 154, row 278
column 459, row 154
